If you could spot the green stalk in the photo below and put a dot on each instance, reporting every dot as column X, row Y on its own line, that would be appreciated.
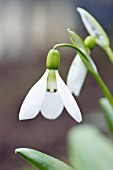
column 66, row 45
column 71, row 46
column 109, row 52
column 97, row 77
column 104, row 88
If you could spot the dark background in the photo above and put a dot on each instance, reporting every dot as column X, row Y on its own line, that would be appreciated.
column 28, row 30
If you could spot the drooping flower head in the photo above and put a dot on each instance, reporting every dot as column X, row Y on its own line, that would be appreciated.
column 78, row 71
column 50, row 94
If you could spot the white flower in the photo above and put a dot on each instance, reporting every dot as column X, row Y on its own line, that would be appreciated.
column 49, row 95
column 76, row 76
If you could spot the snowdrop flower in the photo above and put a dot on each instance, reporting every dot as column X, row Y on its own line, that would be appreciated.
column 50, row 94
column 76, row 75
column 78, row 71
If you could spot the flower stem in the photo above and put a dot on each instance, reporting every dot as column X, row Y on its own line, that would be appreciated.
column 104, row 88
column 97, row 77
column 109, row 53
column 67, row 45
column 70, row 46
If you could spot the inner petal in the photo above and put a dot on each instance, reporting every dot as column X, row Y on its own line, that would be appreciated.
column 51, row 82
column 52, row 105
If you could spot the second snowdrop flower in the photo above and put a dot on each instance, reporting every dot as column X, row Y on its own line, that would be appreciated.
column 50, row 94
column 78, row 71
column 76, row 75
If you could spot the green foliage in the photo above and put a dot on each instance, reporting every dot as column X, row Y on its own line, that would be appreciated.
column 88, row 149
column 41, row 160
column 28, row 168
column 108, row 112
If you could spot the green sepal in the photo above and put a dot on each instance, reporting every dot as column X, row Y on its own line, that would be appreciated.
column 53, row 59
column 108, row 112
column 88, row 149
column 42, row 161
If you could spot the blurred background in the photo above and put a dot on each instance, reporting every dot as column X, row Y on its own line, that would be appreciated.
column 28, row 30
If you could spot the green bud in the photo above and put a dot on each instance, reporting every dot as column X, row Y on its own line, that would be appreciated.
column 89, row 42
column 53, row 59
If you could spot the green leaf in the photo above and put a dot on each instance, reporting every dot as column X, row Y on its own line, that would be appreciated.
column 108, row 112
column 41, row 160
column 88, row 149
column 96, row 30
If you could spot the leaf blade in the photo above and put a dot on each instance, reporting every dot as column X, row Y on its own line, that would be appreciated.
column 41, row 160
column 89, row 149
column 108, row 112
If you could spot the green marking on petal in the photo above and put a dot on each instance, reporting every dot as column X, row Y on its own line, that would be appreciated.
column 51, row 82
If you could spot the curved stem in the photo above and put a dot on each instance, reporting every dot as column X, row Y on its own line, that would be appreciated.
column 62, row 45
column 65, row 45
column 97, row 77
column 109, row 53
column 71, row 46
column 104, row 88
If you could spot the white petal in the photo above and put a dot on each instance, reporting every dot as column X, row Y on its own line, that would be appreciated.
column 68, row 100
column 76, row 75
column 33, row 101
column 52, row 105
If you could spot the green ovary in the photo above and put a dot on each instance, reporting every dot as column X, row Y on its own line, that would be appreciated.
column 53, row 59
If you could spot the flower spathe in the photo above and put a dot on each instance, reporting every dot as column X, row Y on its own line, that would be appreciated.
column 96, row 30
column 49, row 95
column 76, row 75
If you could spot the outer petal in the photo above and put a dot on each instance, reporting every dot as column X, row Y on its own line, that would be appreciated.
column 33, row 101
column 76, row 75
column 52, row 105
column 68, row 100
